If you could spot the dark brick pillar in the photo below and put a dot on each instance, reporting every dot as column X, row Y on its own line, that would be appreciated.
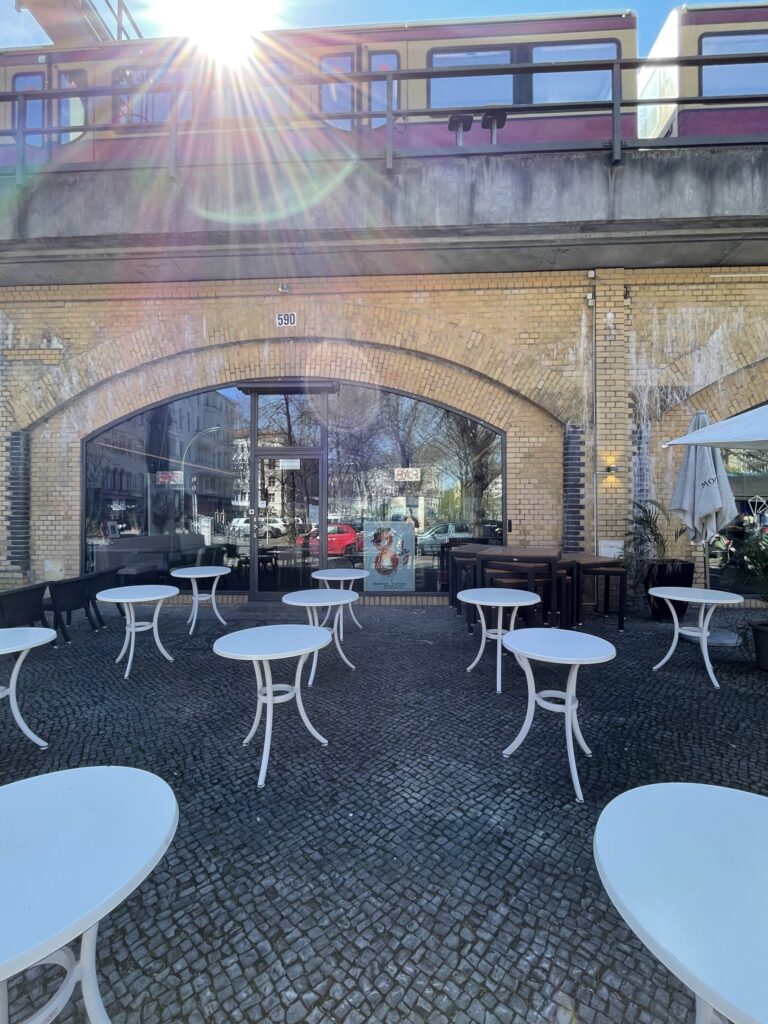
column 573, row 488
column 18, row 527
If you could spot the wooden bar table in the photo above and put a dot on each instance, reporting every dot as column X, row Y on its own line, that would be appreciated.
column 519, row 557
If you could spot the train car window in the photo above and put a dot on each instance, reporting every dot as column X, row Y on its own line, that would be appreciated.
column 474, row 91
column 256, row 95
column 378, row 93
column 146, row 106
column 572, row 86
column 71, row 111
column 734, row 79
column 337, row 97
column 29, row 81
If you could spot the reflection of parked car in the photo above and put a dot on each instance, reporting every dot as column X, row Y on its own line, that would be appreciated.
column 342, row 540
column 273, row 527
column 429, row 542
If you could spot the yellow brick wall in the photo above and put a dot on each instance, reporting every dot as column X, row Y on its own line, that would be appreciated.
column 527, row 353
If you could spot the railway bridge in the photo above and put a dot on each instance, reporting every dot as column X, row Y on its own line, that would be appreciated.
column 447, row 214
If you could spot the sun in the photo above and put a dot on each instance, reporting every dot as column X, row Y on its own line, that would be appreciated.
column 223, row 30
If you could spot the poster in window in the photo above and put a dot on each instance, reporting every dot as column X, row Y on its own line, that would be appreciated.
column 388, row 555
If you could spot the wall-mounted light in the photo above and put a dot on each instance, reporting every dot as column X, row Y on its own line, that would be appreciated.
column 284, row 289
column 611, row 469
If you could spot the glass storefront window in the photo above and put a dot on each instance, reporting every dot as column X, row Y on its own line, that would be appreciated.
column 407, row 476
column 170, row 487
column 275, row 485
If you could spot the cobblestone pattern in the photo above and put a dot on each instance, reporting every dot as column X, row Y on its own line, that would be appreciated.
column 406, row 872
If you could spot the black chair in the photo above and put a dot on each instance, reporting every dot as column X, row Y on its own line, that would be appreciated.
column 97, row 581
column 67, row 596
column 606, row 573
column 461, row 567
column 23, row 606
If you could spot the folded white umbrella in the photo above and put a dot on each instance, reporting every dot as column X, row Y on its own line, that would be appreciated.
column 702, row 497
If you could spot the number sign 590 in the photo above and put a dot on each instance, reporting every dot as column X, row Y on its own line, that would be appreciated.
column 286, row 319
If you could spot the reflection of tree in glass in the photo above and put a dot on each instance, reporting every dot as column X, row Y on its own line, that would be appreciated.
column 365, row 449
column 285, row 420
column 473, row 453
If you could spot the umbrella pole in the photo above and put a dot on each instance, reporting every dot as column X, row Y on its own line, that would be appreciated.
column 705, row 549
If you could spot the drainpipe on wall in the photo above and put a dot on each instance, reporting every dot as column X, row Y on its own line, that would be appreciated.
column 592, row 303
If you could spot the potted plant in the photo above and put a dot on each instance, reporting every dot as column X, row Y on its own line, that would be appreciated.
column 747, row 571
column 648, row 559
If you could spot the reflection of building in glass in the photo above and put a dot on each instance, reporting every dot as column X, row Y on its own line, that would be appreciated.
column 163, row 469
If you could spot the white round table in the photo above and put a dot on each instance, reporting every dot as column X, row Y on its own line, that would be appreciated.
column 262, row 645
column 312, row 601
column 341, row 576
column 193, row 573
column 75, row 844
column 708, row 601
column 20, row 640
column 500, row 598
column 686, row 866
column 128, row 597
column 557, row 647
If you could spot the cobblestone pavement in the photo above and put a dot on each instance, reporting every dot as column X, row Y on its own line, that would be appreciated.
column 405, row 872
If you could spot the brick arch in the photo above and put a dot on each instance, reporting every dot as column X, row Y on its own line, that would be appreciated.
column 534, row 438
column 727, row 341
column 737, row 392
column 372, row 328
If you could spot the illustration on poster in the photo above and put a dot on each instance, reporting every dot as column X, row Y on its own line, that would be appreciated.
column 387, row 560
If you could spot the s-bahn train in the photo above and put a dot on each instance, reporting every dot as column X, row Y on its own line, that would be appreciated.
column 414, row 88
column 707, row 31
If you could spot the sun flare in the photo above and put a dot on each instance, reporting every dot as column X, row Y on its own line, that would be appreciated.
column 223, row 30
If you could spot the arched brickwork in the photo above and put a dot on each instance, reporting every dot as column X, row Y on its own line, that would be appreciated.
column 729, row 395
column 534, row 437
column 372, row 328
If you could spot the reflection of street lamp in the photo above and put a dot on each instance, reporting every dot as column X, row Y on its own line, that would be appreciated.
column 208, row 430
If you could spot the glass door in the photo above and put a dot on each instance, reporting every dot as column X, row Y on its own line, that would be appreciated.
column 286, row 542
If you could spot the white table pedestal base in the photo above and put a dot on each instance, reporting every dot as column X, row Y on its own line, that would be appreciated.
column 269, row 694
column 563, row 702
column 336, row 629
column 495, row 633
column 10, row 692
column 198, row 598
column 699, row 633
column 82, row 970
column 132, row 627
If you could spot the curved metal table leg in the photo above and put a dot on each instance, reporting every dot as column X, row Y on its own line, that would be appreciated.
column 675, row 638
column 130, row 630
column 704, row 620
column 156, row 634
column 312, row 616
column 300, row 703
column 195, row 605
column 570, row 699
column 269, row 700
column 327, row 615
column 342, row 655
column 11, row 692
column 88, row 981
column 483, row 637
column 127, row 639
column 352, row 607
column 213, row 601
column 260, row 705
column 525, row 665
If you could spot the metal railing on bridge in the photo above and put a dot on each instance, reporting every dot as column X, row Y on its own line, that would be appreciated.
column 34, row 142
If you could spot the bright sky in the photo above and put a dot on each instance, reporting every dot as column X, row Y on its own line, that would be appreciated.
column 20, row 29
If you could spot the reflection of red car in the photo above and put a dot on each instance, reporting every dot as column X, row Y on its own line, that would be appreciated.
column 342, row 540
